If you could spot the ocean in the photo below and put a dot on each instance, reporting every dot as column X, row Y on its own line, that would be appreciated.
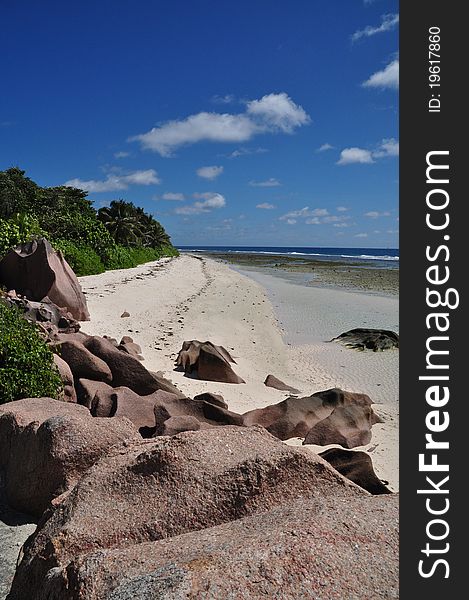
column 378, row 257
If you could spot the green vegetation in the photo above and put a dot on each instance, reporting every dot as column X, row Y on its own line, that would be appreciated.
column 27, row 369
column 116, row 237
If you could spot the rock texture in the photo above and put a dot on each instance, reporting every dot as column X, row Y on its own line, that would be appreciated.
column 369, row 339
column 332, row 549
column 36, row 271
column 357, row 467
column 349, row 426
column 211, row 362
column 47, row 445
column 171, row 486
column 296, row 417
column 273, row 382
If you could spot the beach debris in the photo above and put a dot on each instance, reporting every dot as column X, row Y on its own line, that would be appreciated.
column 125, row 314
column 274, row 382
column 356, row 466
column 349, row 426
column 369, row 339
column 211, row 362
column 163, row 488
column 37, row 271
column 46, row 445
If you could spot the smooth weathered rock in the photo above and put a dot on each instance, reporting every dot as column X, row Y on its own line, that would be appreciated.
column 357, row 467
column 130, row 347
column 83, row 363
column 126, row 370
column 36, row 271
column 369, row 339
column 173, row 485
column 294, row 417
column 349, row 426
column 49, row 448
column 69, row 393
column 274, row 382
column 211, row 362
column 175, row 425
column 328, row 549
column 45, row 313
column 86, row 390
column 204, row 412
column 211, row 398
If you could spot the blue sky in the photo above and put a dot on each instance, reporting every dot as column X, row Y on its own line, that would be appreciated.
column 255, row 122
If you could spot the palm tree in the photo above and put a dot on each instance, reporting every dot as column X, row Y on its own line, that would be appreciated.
column 122, row 222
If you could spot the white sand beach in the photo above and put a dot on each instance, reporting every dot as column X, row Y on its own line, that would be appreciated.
column 268, row 324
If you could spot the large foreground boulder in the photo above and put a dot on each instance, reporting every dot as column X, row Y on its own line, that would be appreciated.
column 317, row 549
column 211, row 362
column 173, row 485
column 36, row 271
column 46, row 446
column 369, row 339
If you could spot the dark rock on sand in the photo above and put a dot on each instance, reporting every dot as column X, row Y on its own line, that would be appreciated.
column 36, row 271
column 328, row 549
column 174, row 485
column 211, row 362
column 273, row 382
column 349, row 426
column 369, row 339
column 50, row 445
column 357, row 467
column 294, row 417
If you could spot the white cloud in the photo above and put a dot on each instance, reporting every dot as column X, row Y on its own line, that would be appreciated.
column 374, row 214
column 246, row 152
column 173, row 196
column 387, row 78
column 388, row 22
column 266, row 206
column 342, row 209
column 361, row 235
column 210, row 201
column 325, row 147
column 121, row 154
column 305, row 212
column 278, row 111
column 272, row 182
column 226, row 99
column 388, row 147
column 349, row 156
column 209, row 172
column 271, row 114
column 291, row 221
column 115, row 182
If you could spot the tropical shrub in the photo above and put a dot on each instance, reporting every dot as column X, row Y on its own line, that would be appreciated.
column 27, row 369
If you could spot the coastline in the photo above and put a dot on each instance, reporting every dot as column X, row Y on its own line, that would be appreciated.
column 195, row 297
